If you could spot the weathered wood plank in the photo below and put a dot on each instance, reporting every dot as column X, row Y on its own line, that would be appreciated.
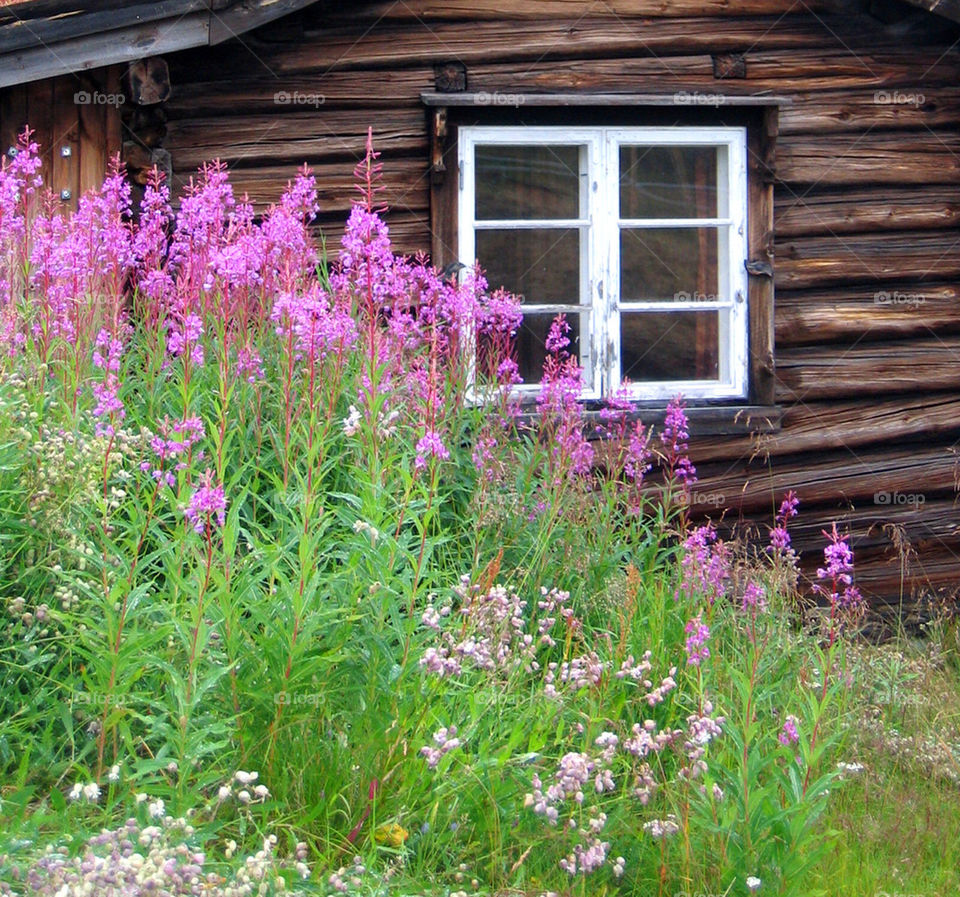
column 870, row 522
column 872, row 258
column 105, row 48
column 818, row 426
column 861, row 210
column 59, row 25
column 483, row 42
column 405, row 182
column 882, row 368
column 296, row 137
column 930, row 157
column 65, row 170
column 904, row 108
column 809, row 318
column 409, row 232
column 320, row 91
column 40, row 119
column 486, row 10
column 13, row 115
column 830, row 478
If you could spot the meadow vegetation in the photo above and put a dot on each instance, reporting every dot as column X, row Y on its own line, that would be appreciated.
column 296, row 598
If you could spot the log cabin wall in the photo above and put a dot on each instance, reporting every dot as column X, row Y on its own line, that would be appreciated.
column 867, row 207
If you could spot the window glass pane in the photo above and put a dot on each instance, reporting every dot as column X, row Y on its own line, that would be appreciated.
column 669, row 345
column 541, row 265
column 531, row 342
column 669, row 264
column 669, row 182
column 527, row 182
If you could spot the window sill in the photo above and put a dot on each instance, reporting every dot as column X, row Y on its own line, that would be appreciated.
column 704, row 420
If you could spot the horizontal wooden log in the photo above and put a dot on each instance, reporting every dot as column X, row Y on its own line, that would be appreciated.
column 882, row 368
column 409, row 232
column 903, row 108
column 828, row 479
column 872, row 258
column 901, row 589
column 228, row 83
column 405, row 185
column 882, row 522
column 808, row 318
column 817, row 426
column 318, row 91
column 873, row 158
column 862, row 210
column 785, row 70
column 482, row 42
column 295, row 137
column 487, row 10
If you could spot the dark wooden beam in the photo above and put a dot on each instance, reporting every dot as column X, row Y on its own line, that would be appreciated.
column 107, row 48
column 21, row 33
column 949, row 9
column 249, row 14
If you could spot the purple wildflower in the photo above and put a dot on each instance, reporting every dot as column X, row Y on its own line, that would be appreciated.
column 185, row 339
column 430, row 444
column 789, row 734
column 779, row 536
column 207, row 502
column 838, row 575
column 106, row 356
column 696, row 645
column 704, row 565
column 754, row 598
column 674, row 438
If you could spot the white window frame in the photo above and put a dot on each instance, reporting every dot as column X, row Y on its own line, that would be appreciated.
column 600, row 223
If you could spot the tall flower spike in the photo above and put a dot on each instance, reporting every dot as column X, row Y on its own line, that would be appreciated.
column 674, row 438
column 368, row 172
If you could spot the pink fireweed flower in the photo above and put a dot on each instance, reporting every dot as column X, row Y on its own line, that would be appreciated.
column 838, row 573
column 754, row 598
column 789, row 734
column 674, row 437
column 779, row 536
column 704, row 565
column 207, row 503
column 430, row 445
column 317, row 325
column 559, row 407
column 185, row 339
column 106, row 357
column 696, row 645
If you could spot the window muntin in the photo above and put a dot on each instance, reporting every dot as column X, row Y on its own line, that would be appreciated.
column 637, row 234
